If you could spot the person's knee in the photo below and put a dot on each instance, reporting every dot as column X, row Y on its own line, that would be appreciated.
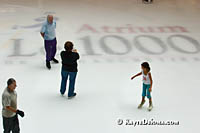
column 143, row 95
column 16, row 129
column 149, row 96
column 64, row 77
column 72, row 78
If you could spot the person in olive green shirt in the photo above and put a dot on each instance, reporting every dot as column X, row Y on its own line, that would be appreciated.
column 10, row 112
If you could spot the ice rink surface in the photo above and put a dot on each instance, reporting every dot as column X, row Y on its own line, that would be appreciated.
column 113, row 38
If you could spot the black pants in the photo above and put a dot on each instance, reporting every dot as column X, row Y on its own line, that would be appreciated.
column 11, row 124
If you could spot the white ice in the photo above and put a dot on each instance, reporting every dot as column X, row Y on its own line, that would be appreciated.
column 105, row 91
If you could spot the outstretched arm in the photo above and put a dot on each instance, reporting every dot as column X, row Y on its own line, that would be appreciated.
column 151, row 82
column 136, row 75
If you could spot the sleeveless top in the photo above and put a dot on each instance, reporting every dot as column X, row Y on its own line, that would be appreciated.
column 146, row 79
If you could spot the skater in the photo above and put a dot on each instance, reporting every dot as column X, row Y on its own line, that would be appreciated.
column 69, row 68
column 147, row 1
column 49, row 35
column 10, row 112
column 147, row 84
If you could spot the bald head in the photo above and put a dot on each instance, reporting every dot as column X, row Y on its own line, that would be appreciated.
column 50, row 19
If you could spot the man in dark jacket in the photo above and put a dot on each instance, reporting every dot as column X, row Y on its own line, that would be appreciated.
column 69, row 68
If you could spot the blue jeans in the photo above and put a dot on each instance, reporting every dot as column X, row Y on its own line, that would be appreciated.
column 72, row 79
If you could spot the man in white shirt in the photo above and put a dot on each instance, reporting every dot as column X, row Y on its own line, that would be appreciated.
column 49, row 34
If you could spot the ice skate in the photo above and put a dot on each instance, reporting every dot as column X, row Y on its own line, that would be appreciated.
column 70, row 97
column 141, row 104
column 150, row 107
column 55, row 61
column 48, row 65
column 147, row 1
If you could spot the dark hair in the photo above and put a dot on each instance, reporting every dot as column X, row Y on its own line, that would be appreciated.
column 146, row 65
column 68, row 46
column 10, row 81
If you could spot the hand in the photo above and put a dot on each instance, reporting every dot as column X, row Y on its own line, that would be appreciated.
column 132, row 78
column 74, row 50
column 21, row 113
column 150, row 89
